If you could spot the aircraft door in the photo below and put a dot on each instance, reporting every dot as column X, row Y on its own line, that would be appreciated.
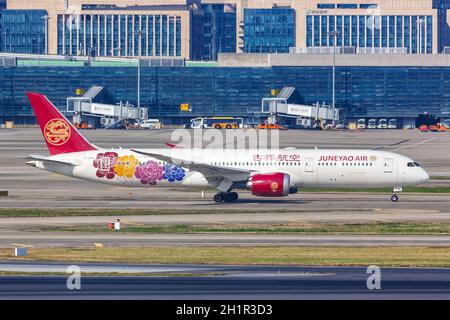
column 309, row 165
column 388, row 165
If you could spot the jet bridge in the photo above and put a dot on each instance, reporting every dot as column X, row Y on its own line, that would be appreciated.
column 91, row 109
column 284, row 108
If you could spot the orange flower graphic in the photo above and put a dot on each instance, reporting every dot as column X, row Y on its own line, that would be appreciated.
column 126, row 166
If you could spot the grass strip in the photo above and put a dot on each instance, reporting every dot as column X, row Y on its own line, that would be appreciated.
column 308, row 256
column 379, row 228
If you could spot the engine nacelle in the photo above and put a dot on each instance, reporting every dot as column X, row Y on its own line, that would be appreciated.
column 269, row 185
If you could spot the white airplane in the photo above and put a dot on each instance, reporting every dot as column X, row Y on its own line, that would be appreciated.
column 266, row 173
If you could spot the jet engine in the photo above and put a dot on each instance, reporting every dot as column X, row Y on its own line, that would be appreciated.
column 269, row 185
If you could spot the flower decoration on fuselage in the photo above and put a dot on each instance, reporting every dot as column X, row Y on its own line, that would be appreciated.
column 104, row 163
column 126, row 166
column 173, row 173
column 149, row 172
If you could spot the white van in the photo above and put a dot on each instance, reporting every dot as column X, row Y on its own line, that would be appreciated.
column 382, row 124
column 150, row 124
column 361, row 124
column 392, row 124
column 372, row 124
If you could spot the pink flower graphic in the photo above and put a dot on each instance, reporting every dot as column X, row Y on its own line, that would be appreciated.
column 105, row 163
column 149, row 172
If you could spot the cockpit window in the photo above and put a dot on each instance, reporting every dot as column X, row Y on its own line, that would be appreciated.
column 413, row 164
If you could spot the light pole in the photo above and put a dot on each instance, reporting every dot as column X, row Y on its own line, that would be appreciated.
column 46, row 17
column 419, row 32
column 139, row 72
column 335, row 34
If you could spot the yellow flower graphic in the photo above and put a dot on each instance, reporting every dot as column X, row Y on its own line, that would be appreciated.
column 126, row 166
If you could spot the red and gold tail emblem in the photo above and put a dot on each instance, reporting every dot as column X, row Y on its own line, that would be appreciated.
column 57, row 132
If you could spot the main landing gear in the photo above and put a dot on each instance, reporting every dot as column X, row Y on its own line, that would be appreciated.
column 226, row 197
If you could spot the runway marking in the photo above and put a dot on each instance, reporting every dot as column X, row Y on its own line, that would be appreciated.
column 393, row 145
column 414, row 145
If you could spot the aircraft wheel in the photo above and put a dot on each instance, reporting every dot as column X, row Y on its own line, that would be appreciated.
column 219, row 198
column 234, row 196
column 227, row 197
column 394, row 198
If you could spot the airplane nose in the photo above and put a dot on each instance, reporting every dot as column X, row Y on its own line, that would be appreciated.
column 425, row 176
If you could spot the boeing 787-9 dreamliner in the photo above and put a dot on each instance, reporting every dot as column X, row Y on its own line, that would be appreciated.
column 264, row 172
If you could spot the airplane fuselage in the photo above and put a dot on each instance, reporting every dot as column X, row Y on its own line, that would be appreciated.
column 306, row 168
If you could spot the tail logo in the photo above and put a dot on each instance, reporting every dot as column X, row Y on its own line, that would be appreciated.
column 57, row 132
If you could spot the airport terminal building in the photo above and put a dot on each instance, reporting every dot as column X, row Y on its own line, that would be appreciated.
column 395, row 86
column 201, row 29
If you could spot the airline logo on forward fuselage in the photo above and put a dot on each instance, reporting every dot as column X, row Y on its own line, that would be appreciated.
column 57, row 132
column 274, row 186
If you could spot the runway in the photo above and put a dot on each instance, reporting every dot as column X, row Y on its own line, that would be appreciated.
column 236, row 283
column 75, row 239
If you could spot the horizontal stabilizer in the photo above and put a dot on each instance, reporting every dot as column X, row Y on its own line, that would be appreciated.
column 50, row 160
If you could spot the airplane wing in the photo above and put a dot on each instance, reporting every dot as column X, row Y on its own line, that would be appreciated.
column 207, row 170
column 49, row 160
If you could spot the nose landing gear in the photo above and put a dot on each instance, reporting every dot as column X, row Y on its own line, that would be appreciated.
column 226, row 197
column 394, row 197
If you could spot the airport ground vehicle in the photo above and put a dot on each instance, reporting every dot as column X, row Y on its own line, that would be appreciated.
column 445, row 123
column 226, row 125
column 372, row 124
column 423, row 128
column 264, row 172
column 392, row 124
column 382, row 124
column 341, row 125
column 361, row 124
column 271, row 126
column 433, row 128
column 149, row 124
column 217, row 123
column 83, row 125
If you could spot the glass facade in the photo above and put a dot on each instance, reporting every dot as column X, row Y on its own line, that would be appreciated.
column 119, row 35
column 23, row 31
column 213, row 31
column 361, row 91
column 271, row 30
column 443, row 27
column 414, row 33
